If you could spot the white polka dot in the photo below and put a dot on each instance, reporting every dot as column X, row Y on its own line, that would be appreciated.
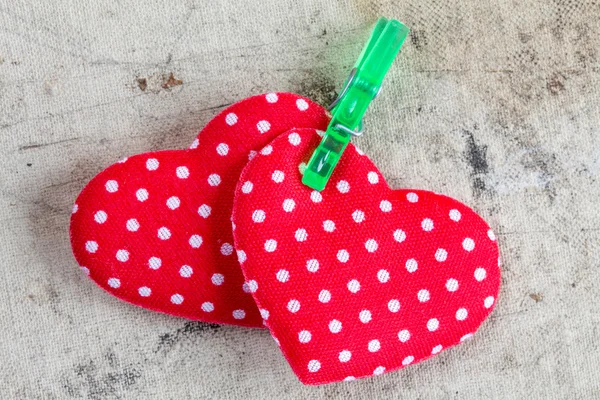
column 154, row 262
column 207, row 306
column 264, row 314
column 289, row 205
column 75, row 208
column 358, row 216
column 374, row 346
column 343, row 186
column 345, row 356
column 122, row 255
column 441, row 255
column 403, row 336
column 164, row 233
column 354, row 286
column 455, row 215
column 383, row 276
column 276, row 341
column 144, row 291
column 195, row 144
column 412, row 197
column 263, row 126
column 100, row 217
column 231, row 119
column 301, row 235
column 283, row 275
column 132, row 225
column 314, row 365
column 335, row 326
column 452, row 285
column 349, row 379
column 222, row 149
column 466, row 337
column 251, row 154
column 302, row 104
column 272, row 97
column 373, row 177
column 217, row 279
column 328, row 226
column 436, row 349
column 241, row 255
column 182, row 172
column 185, row 271
column 411, row 265
column 343, row 256
column 480, row 274
column 312, row 265
column 111, row 186
column 491, row 235
column 488, row 302
column 195, row 241
column 316, row 197
column 85, row 270
column 278, row 176
column 364, row 316
column 394, row 305
column 204, row 211
column 114, row 283
column 293, row 306
column 152, row 164
column 304, row 336
column 433, row 324
column 270, row 245
column 371, row 245
column 468, row 244
column 177, row 299
column 408, row 360
column 324, row 296
column 258, row 216
column 294, row 139
column 239, row 314
column 268, row 149
column 250, row 287
column 141, row 194
column 461, row 314
column 359, row 151
column 173, row 202
column 385, row 206
column 379, row 370
column 247, row 187
column 427, row 225
column 214, row 180
column 399, row 235
column 423, row 295
column 226, row 249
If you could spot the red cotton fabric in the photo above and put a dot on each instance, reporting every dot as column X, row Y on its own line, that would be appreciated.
column 359, row 279
column 155, row 229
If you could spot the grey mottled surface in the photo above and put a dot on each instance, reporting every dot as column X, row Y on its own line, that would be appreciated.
column 495, row 103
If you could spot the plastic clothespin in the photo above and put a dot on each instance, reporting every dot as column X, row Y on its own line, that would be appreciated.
column 362, row 86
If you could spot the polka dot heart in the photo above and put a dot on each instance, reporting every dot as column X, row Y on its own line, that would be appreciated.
column 155, row 230
column 381, row 279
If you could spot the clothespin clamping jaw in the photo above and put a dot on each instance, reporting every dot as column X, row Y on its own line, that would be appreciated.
column 362, row 86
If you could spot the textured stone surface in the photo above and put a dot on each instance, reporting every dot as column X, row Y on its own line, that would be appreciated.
column 492, row 102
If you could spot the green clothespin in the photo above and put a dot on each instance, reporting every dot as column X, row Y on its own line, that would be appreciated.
column 362, row 86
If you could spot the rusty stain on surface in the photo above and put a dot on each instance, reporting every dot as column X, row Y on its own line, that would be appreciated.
column 537, row 297
column 171, row 81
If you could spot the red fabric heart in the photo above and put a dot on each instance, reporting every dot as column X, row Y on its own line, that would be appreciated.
column 155, row 229
column 359, row 279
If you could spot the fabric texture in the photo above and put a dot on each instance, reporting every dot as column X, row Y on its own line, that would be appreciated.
column 358, row 279
column 155, row 229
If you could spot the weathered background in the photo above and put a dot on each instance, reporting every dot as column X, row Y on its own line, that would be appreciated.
column 492, row 102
